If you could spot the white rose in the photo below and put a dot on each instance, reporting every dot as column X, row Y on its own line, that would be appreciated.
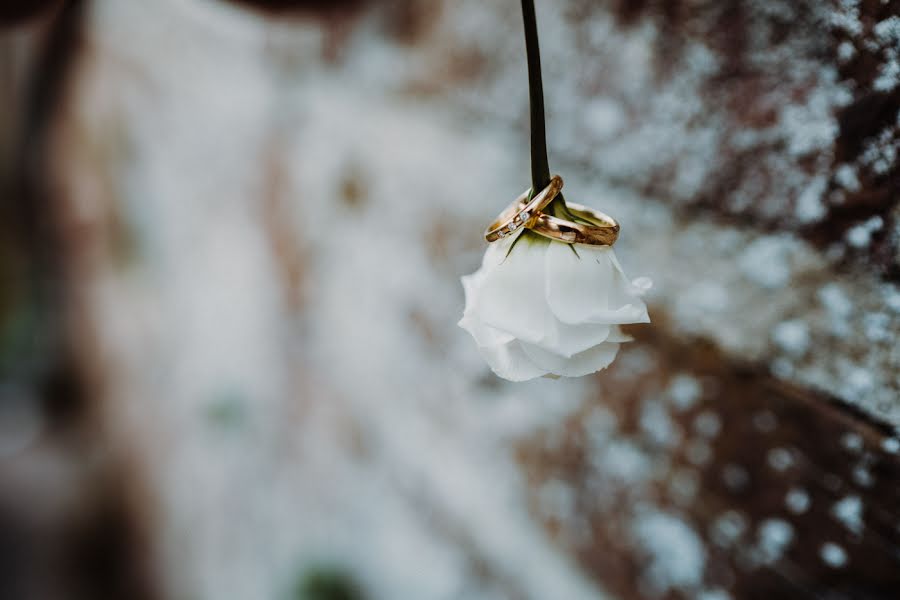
column 550, row 309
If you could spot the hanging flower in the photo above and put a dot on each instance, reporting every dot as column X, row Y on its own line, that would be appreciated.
column 542, row 308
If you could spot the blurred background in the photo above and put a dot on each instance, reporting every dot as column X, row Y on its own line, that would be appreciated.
column 231, row 236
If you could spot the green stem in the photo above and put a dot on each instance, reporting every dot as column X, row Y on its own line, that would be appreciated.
column 540, row 168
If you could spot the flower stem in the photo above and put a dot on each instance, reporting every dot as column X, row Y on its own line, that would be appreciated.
column 540, row 168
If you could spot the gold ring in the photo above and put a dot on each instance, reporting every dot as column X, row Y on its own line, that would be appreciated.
column 522, row 212
column 603, row 232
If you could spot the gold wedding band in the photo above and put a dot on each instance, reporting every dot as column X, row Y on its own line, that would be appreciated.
column 603, row 231
column 599, row 228
column 523, row 212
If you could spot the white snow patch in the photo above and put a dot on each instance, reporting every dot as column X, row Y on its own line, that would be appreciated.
column 810, row 127
column 599, row 424
column 858, row 380
column 845, row 175
column 556, row 499
column 833, row 555
column 880, row 152
column 766, row 261
column 603, row 117
column 852, row 441
column 892, row 297
column 780, row 459
column 860, row 235
column 698, row 452
column 846, row 51
column 849, row 512
column 782, row 368
column 774, row 536
column 797, row 500
column 656, row 423
column 677, row 555
column 810, row 207
column 684, row 484
column 623, row 462
column 890, row 445
column 888, row 34
column 714, row 594
column 792, row 336
column 728, row 528
column 846, row 18
column 835, row 301
column 888, row 30
column 708, row 424
column 863, row 476
column 888, row 75
column 877, row 327
column 703, row 298
column 685, row 390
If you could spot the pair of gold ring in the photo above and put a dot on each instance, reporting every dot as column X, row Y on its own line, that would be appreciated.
column 598, row 228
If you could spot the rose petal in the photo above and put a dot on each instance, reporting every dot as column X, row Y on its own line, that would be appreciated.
column 624, row 302
column 591, row 360
column 568, row 340
column 510, row 362
column 512, row 296
column 484, row 335
column 561, row 338
column 541, row 310
column 591, row 287
column 577, row 285
column 636, row 312
column 471, row 286
column 636, row 287
column 618, row 336
column 496, row 252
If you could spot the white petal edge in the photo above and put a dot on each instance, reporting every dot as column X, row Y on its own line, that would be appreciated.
column 584, row 363
column 625, row 303
column 618, row 336
column 485, row 336
column 569, row 340
column 591, row 288
column 512, row 295
column 577, row 284
column 511, row 362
